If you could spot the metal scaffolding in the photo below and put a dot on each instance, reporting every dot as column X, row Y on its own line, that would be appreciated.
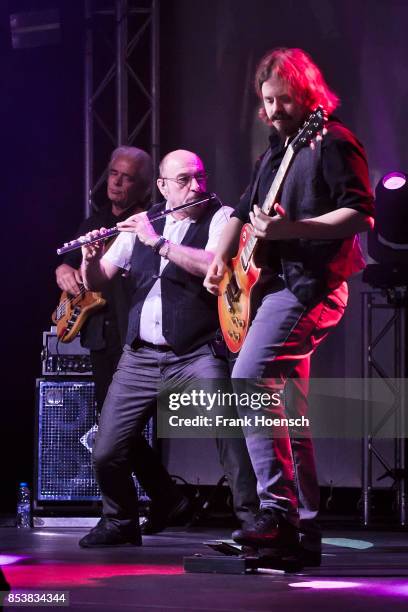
column 392, row 373
column 121, row 88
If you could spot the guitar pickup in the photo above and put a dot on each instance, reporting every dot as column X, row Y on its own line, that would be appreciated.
column 228, row 301
column 233, row 288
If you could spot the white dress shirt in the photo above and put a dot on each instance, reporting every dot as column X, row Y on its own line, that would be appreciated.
column 120, row 254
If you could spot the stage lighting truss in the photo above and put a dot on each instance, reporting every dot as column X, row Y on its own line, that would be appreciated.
column 121, row 85
column 392, row 372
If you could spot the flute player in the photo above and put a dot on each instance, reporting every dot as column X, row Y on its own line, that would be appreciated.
column 171, row 329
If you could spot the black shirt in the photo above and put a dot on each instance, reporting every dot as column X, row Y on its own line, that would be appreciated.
column 344, row 168
column 334, row 175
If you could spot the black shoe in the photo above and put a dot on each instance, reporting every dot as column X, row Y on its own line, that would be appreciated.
column 269, row 531
column 106, row 533
column 159, row 519
column 310, row 537
column 310, row 558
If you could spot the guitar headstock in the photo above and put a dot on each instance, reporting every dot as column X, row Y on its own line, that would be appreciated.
column 312, row 129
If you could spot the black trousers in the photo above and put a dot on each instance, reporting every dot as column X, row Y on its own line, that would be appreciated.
column 105, row 361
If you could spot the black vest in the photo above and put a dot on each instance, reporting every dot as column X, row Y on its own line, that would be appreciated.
column 189, row 311
column 304, row 196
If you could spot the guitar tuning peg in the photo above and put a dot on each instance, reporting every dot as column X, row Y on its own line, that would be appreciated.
column 319, row 137
column 312, row 145
column 324, row 131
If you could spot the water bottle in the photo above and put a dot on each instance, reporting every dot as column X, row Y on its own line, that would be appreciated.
column 23, row 506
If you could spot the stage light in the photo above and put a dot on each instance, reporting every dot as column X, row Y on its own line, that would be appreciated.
column 394, row 180
column 388, row 242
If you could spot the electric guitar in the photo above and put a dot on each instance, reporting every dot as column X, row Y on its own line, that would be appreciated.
column 73, row 310
column 237, row 288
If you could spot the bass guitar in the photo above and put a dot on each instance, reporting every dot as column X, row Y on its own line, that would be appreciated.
column 73, row 310
column 236, row 289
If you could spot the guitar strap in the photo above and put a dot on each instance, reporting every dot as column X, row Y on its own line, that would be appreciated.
column 265, row 160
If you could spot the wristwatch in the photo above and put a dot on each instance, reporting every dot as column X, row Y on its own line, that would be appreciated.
column 164, row 250
column 158, row 245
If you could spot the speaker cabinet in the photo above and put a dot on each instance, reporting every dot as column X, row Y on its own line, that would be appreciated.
column 66, row 428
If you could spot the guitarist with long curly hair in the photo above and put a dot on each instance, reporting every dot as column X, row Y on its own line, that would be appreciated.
column 303, row 210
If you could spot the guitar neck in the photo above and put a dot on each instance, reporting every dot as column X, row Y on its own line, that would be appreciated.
column 273, row 192
column 269, row 202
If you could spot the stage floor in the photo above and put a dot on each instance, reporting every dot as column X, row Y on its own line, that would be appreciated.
column 361, row 570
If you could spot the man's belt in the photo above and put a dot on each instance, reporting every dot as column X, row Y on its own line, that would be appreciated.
column 161, row 348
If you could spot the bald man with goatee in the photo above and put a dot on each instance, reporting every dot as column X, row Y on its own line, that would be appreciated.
column 171, row 333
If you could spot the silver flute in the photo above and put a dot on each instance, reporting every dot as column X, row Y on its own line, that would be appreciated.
column 114, row 231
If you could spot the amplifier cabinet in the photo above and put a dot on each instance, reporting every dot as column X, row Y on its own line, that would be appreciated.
column 64, row 359
column 66, row 428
